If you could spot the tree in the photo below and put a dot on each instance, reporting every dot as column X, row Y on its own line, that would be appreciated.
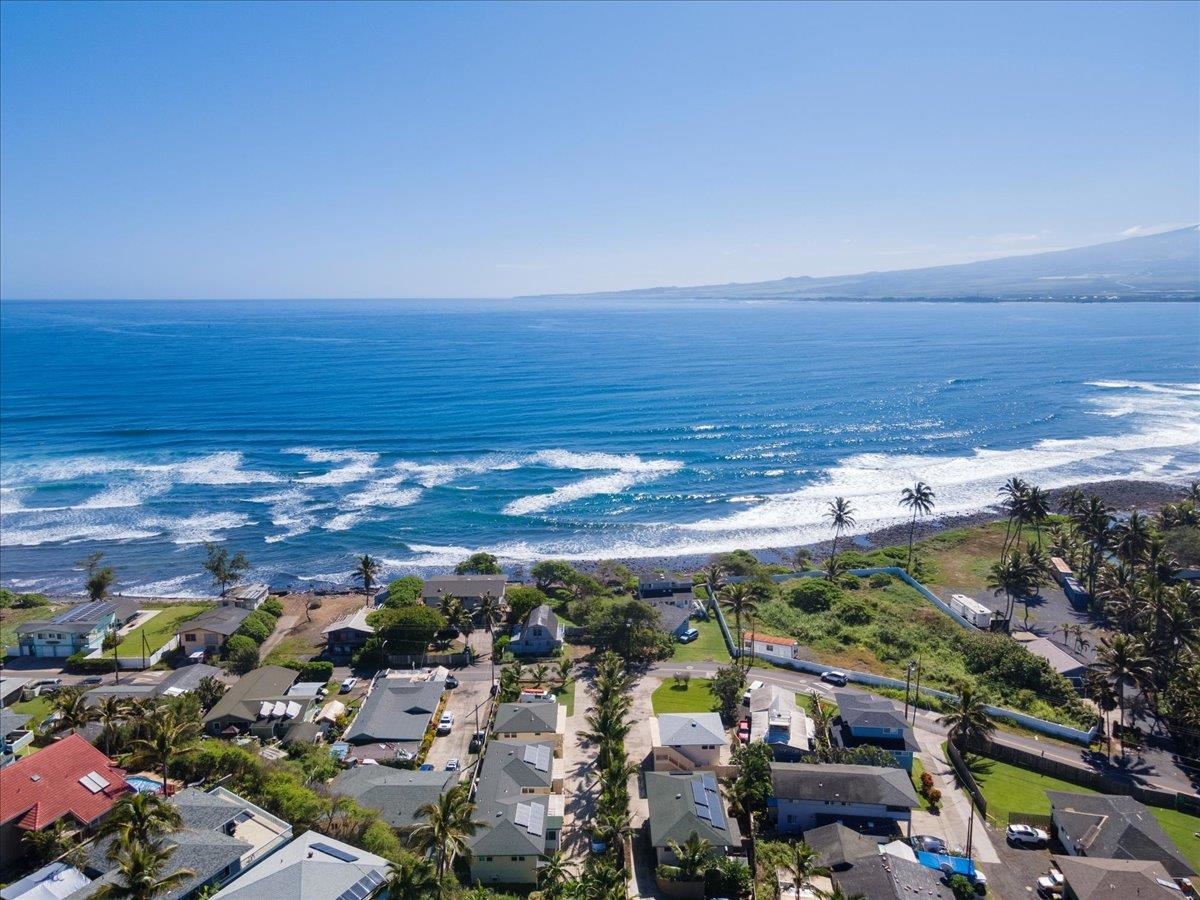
column 73, row 710
column 366, row 570
column 404, row 591
column 727, row 686
column 692, row 856
column 840, row 515
column 138, row 819
column 554, row 875
column 1013, row 493
column 1094, row 524
column 171, row 736
column 820, row 719
column 48, row 844
column 1123, row 660
column 920, row 499
column 740, row 600
column 804, row 864
column 479, row 564
column 488, row 611
column 209, row 691
column 406, row 630
column 224, row 569
column 110, row 712
column 552, row 573
column 411, row 878
column 241, row 652
column 838, row 894
column 100, row 581
column 968, row 718
column 140, row 867
column 521, row 600
column 630, row 628
column 448, row 822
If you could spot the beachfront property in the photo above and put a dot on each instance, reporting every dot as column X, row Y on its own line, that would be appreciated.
column 534, row 721
column 519, row 800
column 177, row 682
column 1115, row 879
column 663, row 587
column 777, row 720
column 396, row 793
column 258, row 702
column 868, row 720
column 207, row 633
column 684, row 742
column 314, row 867
column 69, row 779
column 674, row 615
column 540, row 635
column 346, row 636
column 79, row 629
column 1113, row 826
column 768, row 645
column 682, row 805
column 809, row 796
column 1061, row 660
column 247, row 596
column 469, row 589
column 1066, row 579
column 394, row 715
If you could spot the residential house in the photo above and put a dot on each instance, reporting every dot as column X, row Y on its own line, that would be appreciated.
column 684, row 742
column 683, row 805
column 767, row 646
column 840, row 847
column 396, row 793
column 221, row 836
column 470, row 589
column 868, row 720
column 69, row 779
column 664, row 587
column 809, row 796
column 247, row 596
column 51, row 882
column 177, row 682
column 889, row 877
column 314, row 867
column 208, row 632
column 541, row 635
column 519, row 799
column 532, row 722
column 1061, row 660
column 80, row 629
column 777, row 719
column 674, row 616
column 346, row 636
column 1113, row 826
column 15, row 735
column 257, row 702
column 394, row 715
column 12, row 689
column 1085, row 878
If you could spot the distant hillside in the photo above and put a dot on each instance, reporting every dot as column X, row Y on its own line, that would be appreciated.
column 1158, row 266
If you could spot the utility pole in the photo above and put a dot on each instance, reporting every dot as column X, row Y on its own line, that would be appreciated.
column 907, row 679
column 970, row 821
column 917, row 691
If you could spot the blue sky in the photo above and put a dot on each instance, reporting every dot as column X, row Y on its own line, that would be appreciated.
column 325, row 150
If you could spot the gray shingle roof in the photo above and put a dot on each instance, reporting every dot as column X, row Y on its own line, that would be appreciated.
column 882, row 877
column 395, row 712
column 527, row 718
column 673, row 815
column 463, row 586
column 544, row 616
column 12, row 721
column 868, row 711
column 1116, row 879
column 691, row 729
column 222, row 620
column 1114, row 826
column 396, row 793
column 242, row 700
column 498, row 793
column 305, row 868
column 670, row 617
column 846, row 784
column 838, row 845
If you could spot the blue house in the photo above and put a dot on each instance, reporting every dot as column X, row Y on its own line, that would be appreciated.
column 867, row 720
column 80, row 629
column 541, row 635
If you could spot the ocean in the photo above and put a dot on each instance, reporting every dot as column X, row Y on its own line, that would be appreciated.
column 303, row 433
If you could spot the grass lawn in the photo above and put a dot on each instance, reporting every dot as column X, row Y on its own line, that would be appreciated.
column 290, row 649
column 566, row 696
column 11, row 618
column 709, row 647
column 160, row 629
column 38, row 708
column 694, row 697
column 962, row 557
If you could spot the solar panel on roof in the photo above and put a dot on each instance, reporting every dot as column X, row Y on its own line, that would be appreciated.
column 335, row 852
column 363, row 888
column 87, row 611
column 717, row 815
column 542, row 763
column 530, row 753
column 698, row 794
column 522, row 814
column 702, row 812
column 709, row 780
column 537, row 820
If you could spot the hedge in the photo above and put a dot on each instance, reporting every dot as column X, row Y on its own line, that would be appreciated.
column 314, row 670
column 79, row 664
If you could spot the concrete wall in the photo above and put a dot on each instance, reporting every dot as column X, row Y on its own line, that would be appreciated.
column 505, row 869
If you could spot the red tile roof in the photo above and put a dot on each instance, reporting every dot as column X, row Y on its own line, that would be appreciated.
column 769, row 639
column 44, row 786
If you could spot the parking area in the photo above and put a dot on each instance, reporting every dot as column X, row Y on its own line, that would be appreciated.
column 470, row 703
column 1019, row 868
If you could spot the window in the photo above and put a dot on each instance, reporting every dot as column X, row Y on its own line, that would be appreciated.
column 770, row 648
column 519, row 858
column 191, row 638
column 551, row 835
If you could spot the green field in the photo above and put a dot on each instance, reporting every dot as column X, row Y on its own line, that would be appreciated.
column 709, row 647
column 160, row 629
column 11, row 618
column 566, row 696
column 1009, row 789
column 37, row 708
column 694, row 697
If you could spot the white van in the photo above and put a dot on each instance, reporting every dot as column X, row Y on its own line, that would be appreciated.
column 754, row 686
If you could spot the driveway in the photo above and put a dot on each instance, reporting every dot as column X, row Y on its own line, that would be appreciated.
column 638, row 746
column 579, row 784
column 471, row 704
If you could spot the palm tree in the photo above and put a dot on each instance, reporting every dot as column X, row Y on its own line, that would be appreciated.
column 139, row 819
column 803, row 864
column 611, row 829
column 110, row 712
column 1072, row 501
column 139, row 868
column 1013, row 493
column 1037, row 510
column 73, row 710
column 540, row 673
column 714, row 579
column 1130, row 539
column 411, row 878
column 366, row 570
column 840, row 515
column 741, row 600
column 1123, row 660
column 968, row 718
column 448, row 823
column 1011, row 578
column 820, row 719
column 919, row 498
column 554, row 874
column 1094, row 524
column 563, row 671
column 488, row 611
column 691, row 856
column 169, row 736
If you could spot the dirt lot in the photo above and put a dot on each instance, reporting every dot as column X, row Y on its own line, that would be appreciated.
column 304, row 638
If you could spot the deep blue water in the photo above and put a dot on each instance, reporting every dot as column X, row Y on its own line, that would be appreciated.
column 306, row 432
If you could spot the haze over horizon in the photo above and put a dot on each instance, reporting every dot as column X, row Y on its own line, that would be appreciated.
column 202, row 151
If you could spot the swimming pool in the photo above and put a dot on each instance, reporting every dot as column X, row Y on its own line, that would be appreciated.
column 144, row 785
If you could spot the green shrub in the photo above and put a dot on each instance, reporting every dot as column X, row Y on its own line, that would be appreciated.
column 78, row 664
column 272, row 606
column 851, row 582
column 404, row 591
column 242, row 653
column 811, row 595
column 257, row 626
column 853, row 612
column 30, row 601
column 313, row 670
column 880, row 580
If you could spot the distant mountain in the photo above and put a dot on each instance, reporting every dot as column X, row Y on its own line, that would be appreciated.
column 1157, row 266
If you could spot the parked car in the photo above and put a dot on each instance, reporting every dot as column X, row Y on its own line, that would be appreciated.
column 688, row 636
column 495, row 688
column 1050, row 884
column 833, row 676
column 452, row 764
column 348, row 685
column 91, row 681
column 44, row 686
column 1026, row 835
column 754, row 686
column 451, row 681
column 445, row 723
column 425, row 767
column 743, row 731
column 477, row 742
column 928, row 843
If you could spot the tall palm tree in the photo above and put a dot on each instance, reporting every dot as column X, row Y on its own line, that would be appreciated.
column 691, row 856
column 110, row 712
column 448, row 822
column 1130, row 539
column 714, row 579
column 804, row 864
column 170, row 736
column 611, row 829
column 140, row 873
column 411, row 878
column 73, row 710
column 1123, row 660
column 1094, row 524
column 1037, row 510
column 1011, row 578
column 968, row 718
column 139, row 819
column 740, row 599
column 540, row 672
column 488, row 611
column 554, row 874
column 840, row 515
column 1072, row 501
column 920, row 499
column 1012, row 494
column 366, row 570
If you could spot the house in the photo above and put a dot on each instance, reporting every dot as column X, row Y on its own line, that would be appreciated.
column 777, row 720
column 683, row 805
column 519, row 799
column 470, row 589
column 12, row 689
column 541, row 635
column 532, row 722
column 395, row 711
column 247, row 596
column 889, row 877
column 867, row 720
column 258, row 698
column 1061, row 660
column 346, row 636
column 69, row 779
column 52, row 882
column 1115, row 879
column 1113, row 826
column 177, row 682
column 767, row 645
column 664, row 587
column 673, row 617
column 208, row 632
column 314, row 867
column 14, row 734
column 683, row 742
column 396, row 793
column 840, row 847
column 808, row 796
column 221, row 836
column 80, row 629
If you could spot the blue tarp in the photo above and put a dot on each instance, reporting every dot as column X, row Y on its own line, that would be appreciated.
column 957, row 864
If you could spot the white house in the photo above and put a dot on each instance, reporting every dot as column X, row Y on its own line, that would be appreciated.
column 684, row 742
column 765, row 646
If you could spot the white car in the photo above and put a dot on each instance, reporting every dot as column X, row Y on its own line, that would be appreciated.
column 833, row 676
column 1027, row 835
column 445, row 723
column 1051, row 884
column 348, row 685
column 452, row 764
